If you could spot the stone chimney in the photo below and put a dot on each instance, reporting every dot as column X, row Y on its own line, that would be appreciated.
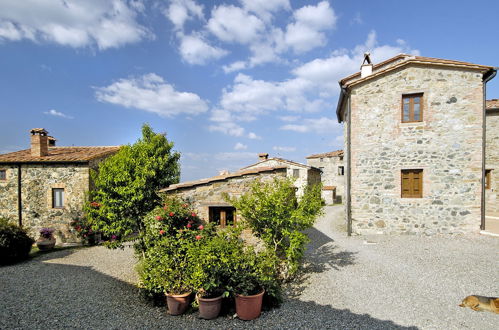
column 39, row 142
column 366, row 69
column 51, row 141
column 263, row 156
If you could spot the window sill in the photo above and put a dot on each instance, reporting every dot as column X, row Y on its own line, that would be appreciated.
column 413, row 123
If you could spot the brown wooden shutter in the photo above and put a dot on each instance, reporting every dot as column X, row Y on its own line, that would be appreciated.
column 412, row 183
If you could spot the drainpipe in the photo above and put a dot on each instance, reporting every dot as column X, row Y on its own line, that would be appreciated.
column 19, row 198
column 349, row 167
column 488, row 76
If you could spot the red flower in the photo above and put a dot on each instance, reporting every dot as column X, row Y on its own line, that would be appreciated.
column 198, row 237
column 158, row 217
column 193, row 214
column 165, row 207
column 161, row 232
column 201, row 227
column 172, row 214
column 189, row 225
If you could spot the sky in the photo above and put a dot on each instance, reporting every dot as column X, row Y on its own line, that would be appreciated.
column 225, row 80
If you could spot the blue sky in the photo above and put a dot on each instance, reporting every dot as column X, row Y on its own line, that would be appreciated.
column 224, row 79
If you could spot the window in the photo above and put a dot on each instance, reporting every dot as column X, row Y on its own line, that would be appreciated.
column 3, row 174
column 57, row 198
column 487, row 178
column 412, row 183
column 296, row 173
column 321, row 168
column 321, row 160
column 412, row 108
column 223, row 216
column 341, row 170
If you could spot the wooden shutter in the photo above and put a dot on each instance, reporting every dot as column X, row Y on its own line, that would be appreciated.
column 412, row 183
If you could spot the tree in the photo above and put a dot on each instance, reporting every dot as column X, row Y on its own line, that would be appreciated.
column 274, row 214
column 126, row 184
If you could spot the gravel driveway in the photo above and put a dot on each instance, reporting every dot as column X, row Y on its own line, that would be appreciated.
column 398, row 282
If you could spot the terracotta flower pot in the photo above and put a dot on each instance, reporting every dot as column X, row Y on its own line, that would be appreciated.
column 45, row 244
column 209, row 308
column 177, row 304
column 249, row 307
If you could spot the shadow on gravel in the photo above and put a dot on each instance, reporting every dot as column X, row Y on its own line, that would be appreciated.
column 38, row 294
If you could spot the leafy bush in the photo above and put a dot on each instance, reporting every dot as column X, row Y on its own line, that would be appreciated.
column 274, row 214
column 15, row 244
column 125, row 186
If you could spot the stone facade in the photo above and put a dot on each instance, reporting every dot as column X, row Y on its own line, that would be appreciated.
column 446, row 145
column 42, row 169
column 304, row 175
column 332, row 169
column 208, row 193
column 492, row 161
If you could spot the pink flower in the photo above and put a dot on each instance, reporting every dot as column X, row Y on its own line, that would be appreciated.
column 193, row 214
column 189, row 225
column 198, row 237
column 161, row 232
column 158, row 217
column 172, row 214
column 184, row 205
column 201, row 227
column 113, row 237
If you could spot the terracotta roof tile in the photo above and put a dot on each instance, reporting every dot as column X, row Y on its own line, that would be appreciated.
column 492, row 104
column 329, row 188
column 59, row 154
column 252, row 171
column 403, row 59
column 336, row 153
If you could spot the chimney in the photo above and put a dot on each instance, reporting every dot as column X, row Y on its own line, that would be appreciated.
column 39, row 142
column 51, row 141
column 366, row 69
column 263, row 156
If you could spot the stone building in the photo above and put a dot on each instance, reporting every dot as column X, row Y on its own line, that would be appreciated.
column 207, row 196
column 303, row 174
column 414, row 146
column 46, row 185
column 492, row 166
column 332, row 174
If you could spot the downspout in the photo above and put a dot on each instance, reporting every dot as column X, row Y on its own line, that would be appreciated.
column 19, row 196
column 349, row 171
column 486, row 78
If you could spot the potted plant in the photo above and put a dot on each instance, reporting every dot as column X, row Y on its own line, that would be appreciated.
column 46, row 241
column 209, row 257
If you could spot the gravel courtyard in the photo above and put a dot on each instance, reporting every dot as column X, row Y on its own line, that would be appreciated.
column 376, row 282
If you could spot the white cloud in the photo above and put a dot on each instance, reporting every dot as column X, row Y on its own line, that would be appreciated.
column 228, row 128
column 106, row 24
column 284, row 149
column 181, row 11
column 195, row 50
column 289, row 118
column 321, row 125
column 231, row 156
column 253, row 136
column 235, row 66
column 240, row 146
column 306, row 32
column 265, row 8
column 53, row 112
column 152, row 94
column 233, row 24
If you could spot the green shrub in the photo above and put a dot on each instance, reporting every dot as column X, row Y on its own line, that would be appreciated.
column 15, row 244
column 274, row 214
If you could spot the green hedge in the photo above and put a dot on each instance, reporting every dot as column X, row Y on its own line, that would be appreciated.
column 15, row 243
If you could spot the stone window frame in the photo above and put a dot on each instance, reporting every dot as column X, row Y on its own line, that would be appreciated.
column 341, row 170
column 296, row 172
column 50, row 202
column 488, row 179
column 4, row 178
column 222, row 210
column 421, row 183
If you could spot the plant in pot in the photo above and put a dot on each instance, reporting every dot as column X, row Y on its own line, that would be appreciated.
column 46, row 241
column 166, row 268
column 210, row 256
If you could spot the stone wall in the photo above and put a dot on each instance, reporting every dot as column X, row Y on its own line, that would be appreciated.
column 330, row 176
column 8, row 194
column 305, row 177
column 492, row 162
column 211, row 194
column 447, row 146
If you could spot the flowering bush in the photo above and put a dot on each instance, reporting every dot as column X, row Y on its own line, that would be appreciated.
column 84, row 230
column 46, row 232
